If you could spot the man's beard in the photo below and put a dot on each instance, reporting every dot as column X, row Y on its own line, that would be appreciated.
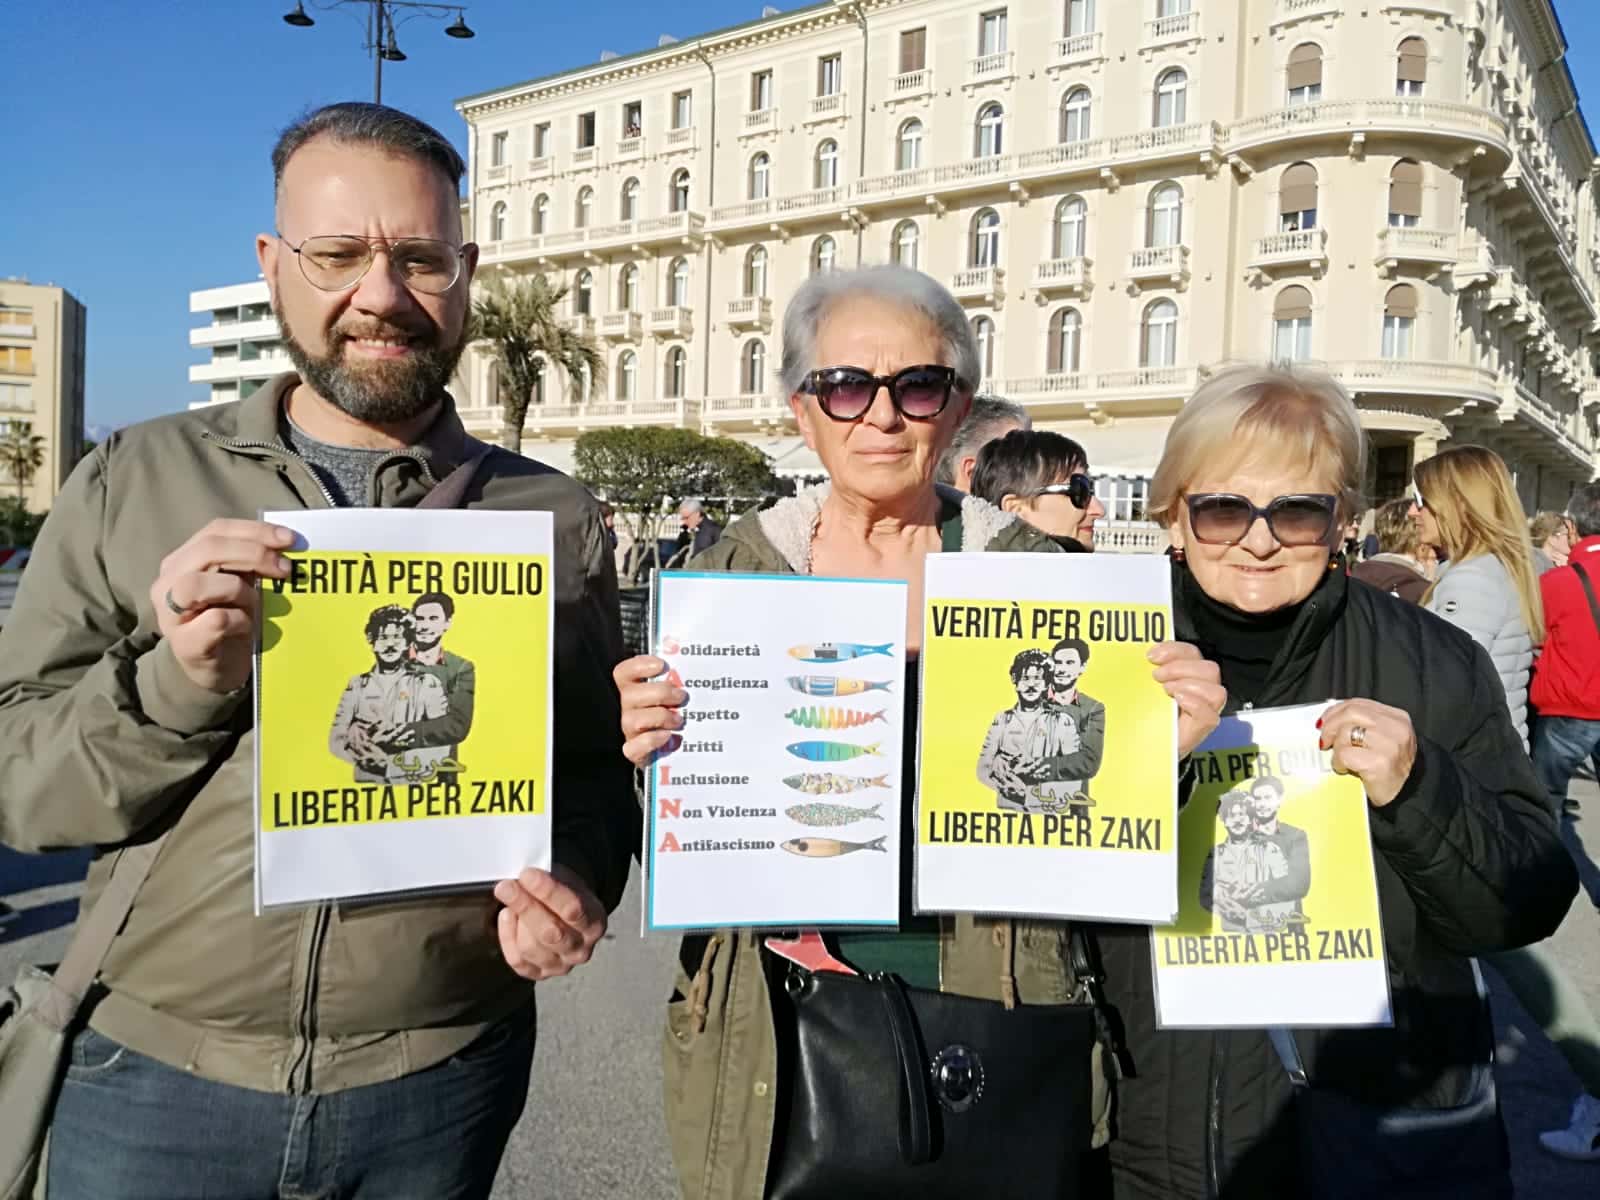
column 380, row 392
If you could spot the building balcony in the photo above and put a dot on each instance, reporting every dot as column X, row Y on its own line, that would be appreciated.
column 1165, row 32
column 763, row 120
column 1475, row 264
column 833, row 107
column 1063, row 276
column 672, row 322
column 738, row 214
column 220, row 370
column 1411, row 376
column 1159, row 264
column 1287, row 12
column 620, row 326
column 1139, row 389
column 1130, row 537
column 1354, row 120
column 911, row 85
column 749, row 312
column 585, row 157
column 680, row 139
column 16, row 329
column 627, row 148
column 1300, row 250
column 570, row 418
column 11, row 368
column 979, row 285
column 539, row 167
column 678, row 227
column 499, row 174
column 221, row 335
column 819, row 201
column 758, row 410
column 1431, row 247
column 1078, row 48
column 584, row 325
column 992, row 68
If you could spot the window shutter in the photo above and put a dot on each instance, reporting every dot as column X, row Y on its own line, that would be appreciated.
column 913, row 50
column 1293, row 303
column 1297, row 192
column 1305, row 66
column 1413, row 60
column 1405, row 188
column 1401, row 301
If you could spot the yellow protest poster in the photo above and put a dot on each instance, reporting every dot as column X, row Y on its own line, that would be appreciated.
column 1278, row 921
column 403, row 690
column 1047, row 764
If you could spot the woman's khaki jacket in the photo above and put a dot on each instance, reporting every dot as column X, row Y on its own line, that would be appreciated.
column 720, row 1049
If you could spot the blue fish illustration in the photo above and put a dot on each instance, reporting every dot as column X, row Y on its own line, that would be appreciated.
column 827, row 685
column 832, row 652
column 831, row 751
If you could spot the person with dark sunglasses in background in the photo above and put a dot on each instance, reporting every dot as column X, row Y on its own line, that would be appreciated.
column 1044, row 478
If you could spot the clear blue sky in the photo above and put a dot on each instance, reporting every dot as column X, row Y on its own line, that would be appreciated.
column 135, row 166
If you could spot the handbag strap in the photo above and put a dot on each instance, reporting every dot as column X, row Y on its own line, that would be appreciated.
column 916, row 1122
column 1588, row 590
column 450, row 491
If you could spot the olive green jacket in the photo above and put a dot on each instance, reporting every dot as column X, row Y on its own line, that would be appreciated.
column 104, row 740
column 720, row 1050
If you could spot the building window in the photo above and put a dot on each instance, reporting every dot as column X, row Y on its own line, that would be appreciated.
column 830, row 73
column 753, row 368
column 678, row 284
column 1304, row 75
column 1165, row 226
column 904, row 244
column 585, row 130
column 497, row 149
column 1405, row 194
column 1158, row 335
column 583, row 294
column 760, row 176
column 913, row 50
column 497, row 222
column 990, row 131
column 627, row 376
column 680, row 190
column 630, row 200
column 1080, row 17
column 1066, row 329
column 823, row 254
column 676, row 373
column 585, row 207
column 1399, row 316
column 986, row 238
column 1172, row 98
column 1411, row 71
column 1297, row 198
column 628, row 288
column 908, row 146
column 992, row 32
column 541, row 213
column 1291, row 325
column 1075, row 115
column 585, row 383
column 541, row 139
column 682, row 110
column 632, row 119
column 1171, row 8
column 826, row 174
column 983, row 334
column 755, row 271
column 538, row 381
column 760, row 91
column 1071, row 228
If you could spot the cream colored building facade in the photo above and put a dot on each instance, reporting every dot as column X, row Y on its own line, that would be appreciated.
column 42, row 330
column 1123, row 193
column 242, row 338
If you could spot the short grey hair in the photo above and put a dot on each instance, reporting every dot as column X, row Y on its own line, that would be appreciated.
column 1584, row 510
column 357, row 123
column 893, row 284
column 690, row 504
column 989, row 417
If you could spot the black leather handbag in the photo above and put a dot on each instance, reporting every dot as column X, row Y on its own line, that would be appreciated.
column 899, row 1091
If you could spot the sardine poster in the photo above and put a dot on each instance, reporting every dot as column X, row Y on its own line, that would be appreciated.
column 779, row 803
column 1278, row 920
column 403, row 699
column 1048, row 761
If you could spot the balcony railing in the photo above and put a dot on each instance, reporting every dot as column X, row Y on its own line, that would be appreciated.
column 1077, row 48
column 987, row 67
column 1300, row 10
column 497, row 174
column 979, row 283
column 7, row 367
column 583, row 324
column 24, row 329
column 665, row 228
column 1410, row 374
column 749, row 312
column 630, row 147
column 828, row 108
column 672, row 321
column 1298, row 247
column 1159, row 262
column 584, row 156
column 806, row 202
column 1396, row 114
column 741, row 212
column 678, row 139
column 595, row 413
column 620, row 326
column 1176, row 28
column 1062, row 275
column 761, row 121
column 1398, row 244
column 541, row 166
column 752, row 406
column 1134, row 537
column 911, row 83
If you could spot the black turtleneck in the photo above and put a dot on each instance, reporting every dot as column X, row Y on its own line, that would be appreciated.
column 1243, row 645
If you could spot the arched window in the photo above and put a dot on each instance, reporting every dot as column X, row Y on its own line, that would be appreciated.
column 905, row 244
column 1172, row 98
column 760, row 176
column 826, row 174
column 1165, row 225
column 753, row 368
column 538, row 381
column 627, row 376
column 630, row 201
column 676, row 373
column 628, row 288
column 990, row 132
column 585, row 207
column 823, row 254
column 983, row 333
column 541, row 213
column 986, row 238
column 1080, row 17
column 1411, row 72
column 679, row 200
column 1066, row 333
column 1071, row 229
column 1158, row 335
column 678, row 283
column 497, row 222
column 755, row 271
column 1399, row 317
column 1075, row 115
column 1405, row 193
column 1297, row 198
column 1291, row 325
column 1303, row 77
column 583, row 294
column 908, row 146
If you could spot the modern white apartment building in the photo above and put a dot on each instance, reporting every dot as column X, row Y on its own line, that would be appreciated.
column 242, row 336
column 1124, row 193
column 42, row 339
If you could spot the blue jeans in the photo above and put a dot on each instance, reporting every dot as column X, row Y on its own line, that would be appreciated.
column 127, row 1127
column 1560, row 746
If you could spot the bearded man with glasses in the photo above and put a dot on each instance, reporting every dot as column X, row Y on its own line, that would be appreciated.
column 363, row 1051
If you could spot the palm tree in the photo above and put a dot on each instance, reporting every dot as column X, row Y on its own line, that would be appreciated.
column 21, row 453
column 517, row 318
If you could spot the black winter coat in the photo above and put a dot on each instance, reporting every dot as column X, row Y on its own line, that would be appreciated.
column 1468, row 861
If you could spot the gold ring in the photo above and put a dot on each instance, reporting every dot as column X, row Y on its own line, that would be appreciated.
column 1358, row 735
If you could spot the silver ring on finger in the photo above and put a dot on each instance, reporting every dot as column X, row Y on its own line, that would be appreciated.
column 1358, row 736
column 174, row 607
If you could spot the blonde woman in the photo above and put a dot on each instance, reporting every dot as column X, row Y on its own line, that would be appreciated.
column 1551, row 534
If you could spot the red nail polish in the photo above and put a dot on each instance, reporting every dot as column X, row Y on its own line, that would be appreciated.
column 1319, row 722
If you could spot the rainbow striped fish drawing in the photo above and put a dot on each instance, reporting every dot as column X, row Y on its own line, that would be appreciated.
column 833, row 652
column 820, row 716
column 824, row 783
column 817, row 813
column 826, row 685
column 831, row 751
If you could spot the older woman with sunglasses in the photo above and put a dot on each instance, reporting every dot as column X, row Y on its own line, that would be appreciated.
column 1043, row 477
column 880, row 366
column 1259, row 473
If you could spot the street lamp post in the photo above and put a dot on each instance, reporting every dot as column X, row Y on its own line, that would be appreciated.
column 381, row 22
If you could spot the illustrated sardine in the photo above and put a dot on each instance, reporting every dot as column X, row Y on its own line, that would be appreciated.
column 826, row 685
column 831, row 751
column 824, row 783
column 819, row 716
column 832, row 652
column 821, row 815
column 815, row 847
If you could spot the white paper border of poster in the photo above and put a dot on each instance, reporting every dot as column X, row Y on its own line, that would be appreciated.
column 775, row 888
column 1031, row 882
column 299, row 866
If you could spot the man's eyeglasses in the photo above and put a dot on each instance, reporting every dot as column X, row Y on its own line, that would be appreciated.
column 1416, row 497
column 337, row 262
column 917, row 393
column 1079, row 489
column 1222, row 518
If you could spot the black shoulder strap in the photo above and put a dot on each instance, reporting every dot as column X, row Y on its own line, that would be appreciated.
column 1588, row 590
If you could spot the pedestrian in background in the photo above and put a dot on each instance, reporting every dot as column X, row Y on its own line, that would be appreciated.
column 1395, row 568
column 989, row 418
column 1552, row 536
column 1043, row 478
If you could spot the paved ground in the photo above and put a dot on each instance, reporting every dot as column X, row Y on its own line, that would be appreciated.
column 593, row 1123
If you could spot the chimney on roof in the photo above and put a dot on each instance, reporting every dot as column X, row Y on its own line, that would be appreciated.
column 608, row 55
